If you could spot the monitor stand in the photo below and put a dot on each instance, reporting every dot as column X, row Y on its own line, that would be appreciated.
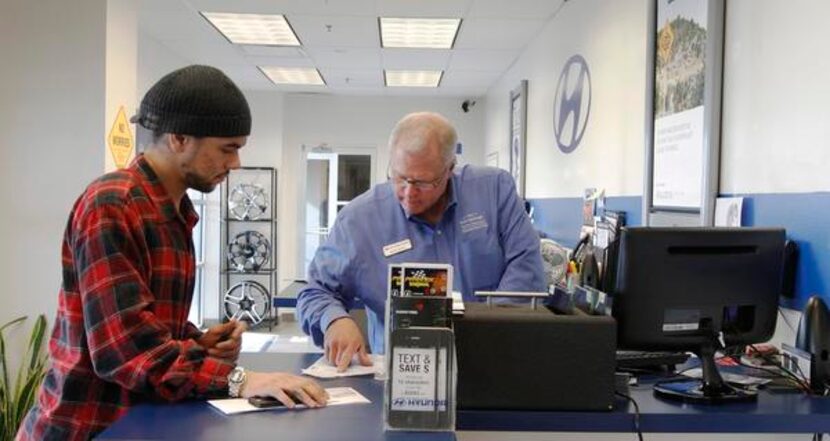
column 709, row 389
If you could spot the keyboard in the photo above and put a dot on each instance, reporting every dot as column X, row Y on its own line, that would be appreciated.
column 649, row 360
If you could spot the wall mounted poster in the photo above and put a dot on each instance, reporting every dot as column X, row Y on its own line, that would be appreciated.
column 518, row 135
column 680, row 67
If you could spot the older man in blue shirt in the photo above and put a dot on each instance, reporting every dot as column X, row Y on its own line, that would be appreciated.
column 428, row 211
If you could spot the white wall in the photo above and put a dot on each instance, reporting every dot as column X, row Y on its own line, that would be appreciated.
column 154, row 61
column 351, row 121
column 776, row 94
column 611, row 36
column 121, row 72
column 776, row 117
column 51, row 139
column 775, row 130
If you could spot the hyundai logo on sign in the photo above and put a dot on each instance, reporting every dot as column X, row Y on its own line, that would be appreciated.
column 572, row 103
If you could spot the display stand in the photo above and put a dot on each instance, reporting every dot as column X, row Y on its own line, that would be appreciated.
column 248, row 270
column 420, row 349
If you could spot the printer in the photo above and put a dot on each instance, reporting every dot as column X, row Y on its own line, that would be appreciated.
column 512, row 357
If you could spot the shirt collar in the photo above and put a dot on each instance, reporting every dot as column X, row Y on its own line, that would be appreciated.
column 158, row 194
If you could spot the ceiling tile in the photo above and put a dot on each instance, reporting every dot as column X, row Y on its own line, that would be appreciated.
column 483, row 59
column 485, row 33
column 421, row 59
column 340, row 31
column 274, row 51
column 502, row 9
column 352, row 78
column 492, row 35
column 423, row 8
column 330, row 7
column 345, row 57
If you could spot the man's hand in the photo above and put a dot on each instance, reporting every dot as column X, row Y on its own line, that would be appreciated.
column 343, row 340
column 224, row 340
column 288, row 388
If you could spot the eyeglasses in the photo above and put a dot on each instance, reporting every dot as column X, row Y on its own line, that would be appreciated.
column 400, row 182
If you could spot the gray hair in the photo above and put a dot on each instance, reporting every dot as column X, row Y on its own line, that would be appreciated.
column 413, row 133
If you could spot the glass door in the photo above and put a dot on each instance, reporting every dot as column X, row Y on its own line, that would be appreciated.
column 332, row 181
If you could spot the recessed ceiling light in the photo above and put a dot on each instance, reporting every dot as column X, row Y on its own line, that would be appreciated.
column 412, row 78
column 263, row 29
column 429, row 33
column 293, row 75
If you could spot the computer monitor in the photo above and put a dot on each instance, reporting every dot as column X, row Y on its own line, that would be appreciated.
column 697, row 289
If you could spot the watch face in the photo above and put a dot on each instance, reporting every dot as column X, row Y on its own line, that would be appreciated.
column 237, row 375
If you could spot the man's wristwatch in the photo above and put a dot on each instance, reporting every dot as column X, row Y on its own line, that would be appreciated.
column 236, row 379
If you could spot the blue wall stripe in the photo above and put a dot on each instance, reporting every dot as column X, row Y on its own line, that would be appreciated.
column 806, row 216
column 561, row 218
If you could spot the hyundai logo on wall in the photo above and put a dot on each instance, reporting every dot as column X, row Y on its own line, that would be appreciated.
column 572, row 103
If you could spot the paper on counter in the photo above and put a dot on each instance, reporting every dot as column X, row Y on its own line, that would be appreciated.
column 323, row 369
column 257, row 342
column 730, row 377
column 457, row 303
column 338, row 396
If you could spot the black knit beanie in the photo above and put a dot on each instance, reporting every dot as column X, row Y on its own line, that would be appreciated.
column 197, row 101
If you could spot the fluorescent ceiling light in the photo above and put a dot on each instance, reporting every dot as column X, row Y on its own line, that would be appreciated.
column 412, row 78
column 262, row 29
column 293, row 75
column 429, row 33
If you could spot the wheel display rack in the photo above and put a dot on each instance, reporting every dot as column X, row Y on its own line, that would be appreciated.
column 248, row 230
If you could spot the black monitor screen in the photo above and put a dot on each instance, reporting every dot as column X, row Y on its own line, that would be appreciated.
column 697, row 289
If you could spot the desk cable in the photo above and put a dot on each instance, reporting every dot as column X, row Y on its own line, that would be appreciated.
column 637, row 428
column 798, row 377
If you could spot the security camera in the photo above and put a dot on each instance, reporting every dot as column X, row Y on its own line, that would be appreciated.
column 467, row 105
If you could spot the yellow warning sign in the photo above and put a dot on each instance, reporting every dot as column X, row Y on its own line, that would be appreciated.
column 120, row 140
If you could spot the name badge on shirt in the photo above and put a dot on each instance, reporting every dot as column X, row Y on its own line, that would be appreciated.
column 472, row 222
column 397, row 247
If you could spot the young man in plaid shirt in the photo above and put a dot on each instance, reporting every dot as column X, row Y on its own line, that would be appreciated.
column 121, row 335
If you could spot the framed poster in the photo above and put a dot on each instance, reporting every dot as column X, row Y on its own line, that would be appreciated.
column 518, row 135
column 683, row 141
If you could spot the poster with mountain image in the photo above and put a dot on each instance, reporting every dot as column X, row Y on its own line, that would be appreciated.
column 679, row 69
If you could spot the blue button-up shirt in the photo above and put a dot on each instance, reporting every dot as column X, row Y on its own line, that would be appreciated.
column 484, row 233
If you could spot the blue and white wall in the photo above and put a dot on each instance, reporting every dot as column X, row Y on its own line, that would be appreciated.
column 775, row 146
column 775, row 129
column 611, row 37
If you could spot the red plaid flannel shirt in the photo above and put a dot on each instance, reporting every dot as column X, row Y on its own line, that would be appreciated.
column 121, row 335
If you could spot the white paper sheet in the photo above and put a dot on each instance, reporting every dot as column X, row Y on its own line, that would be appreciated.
column 729, row 377
column 457, row 303
column 323, row 369
column 257, row 342
column 728, row 212
column 338, row 396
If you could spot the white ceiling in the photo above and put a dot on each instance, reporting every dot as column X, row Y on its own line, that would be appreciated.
column 341, row 39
